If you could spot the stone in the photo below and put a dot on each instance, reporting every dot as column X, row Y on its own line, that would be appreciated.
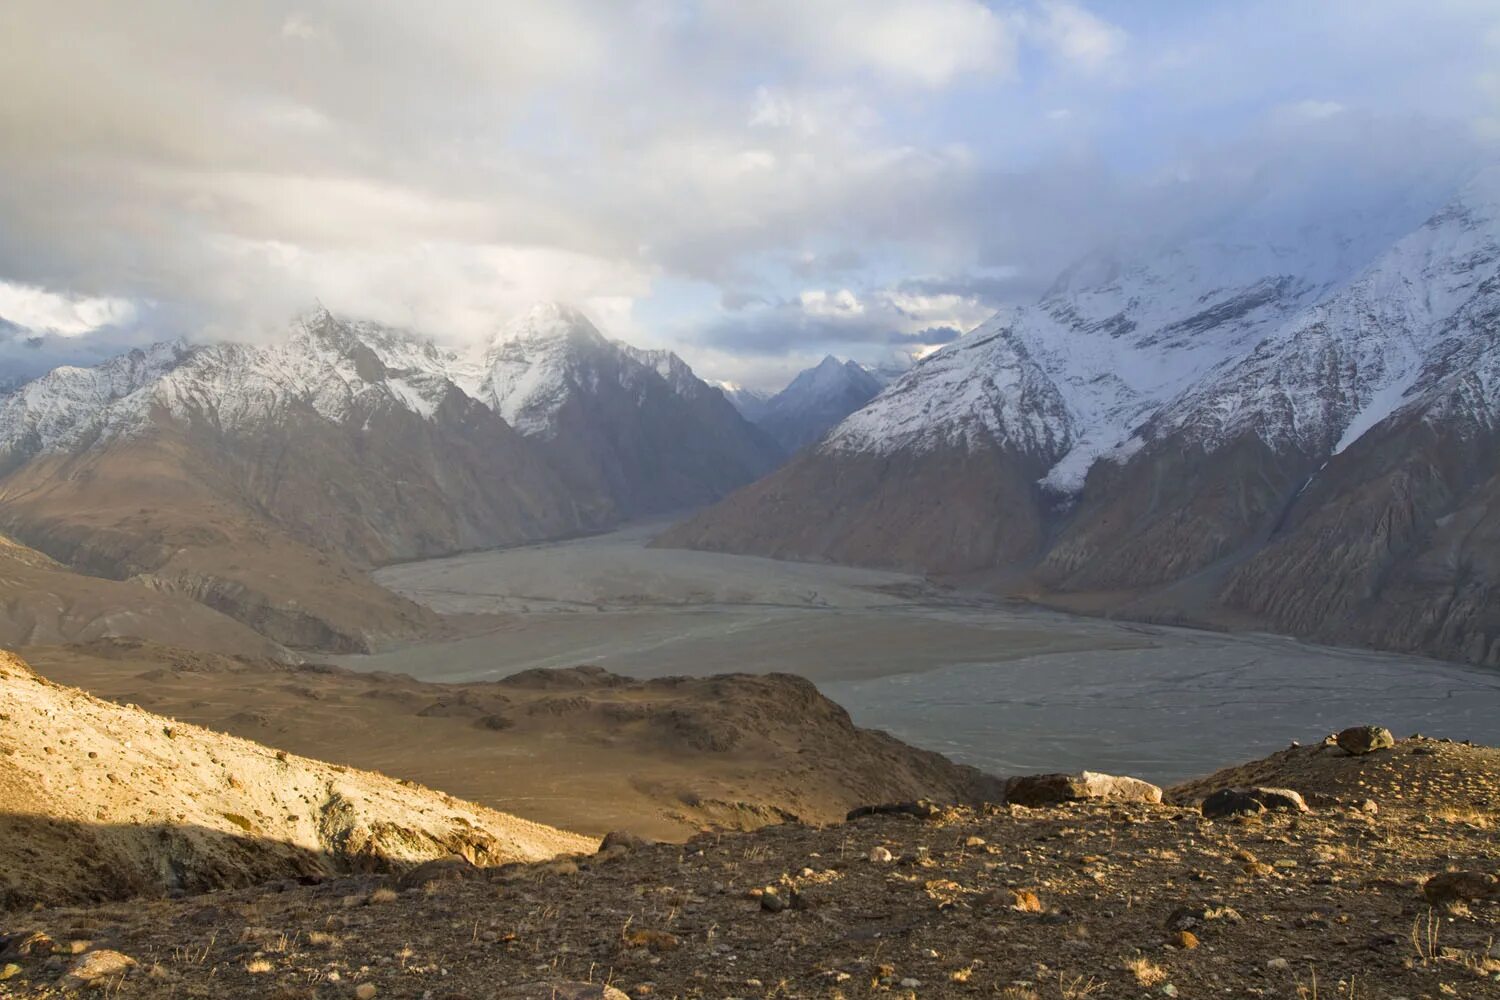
column 1186, row 940
column 1251, row 801
column 921, row 809
column 32, row 945
column 1460, row 887
column 1278, row 965
column 880, row 855
column 772, row 902
column 102, row 964
column 10, row 971
column 1035, row 790
column 454, row 866
column 365, row 991
column 561, row 991
column 623, row 840
column 1358, row 740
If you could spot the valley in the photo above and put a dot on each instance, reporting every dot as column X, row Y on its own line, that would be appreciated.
column 998, row 684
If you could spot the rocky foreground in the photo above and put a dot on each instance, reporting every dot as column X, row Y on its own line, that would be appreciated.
column 1361, row 871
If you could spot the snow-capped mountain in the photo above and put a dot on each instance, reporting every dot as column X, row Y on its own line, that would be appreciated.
column 1167, row 413
column 815, row 401
column 751, row 403
column 261, row 478
column 637, row 426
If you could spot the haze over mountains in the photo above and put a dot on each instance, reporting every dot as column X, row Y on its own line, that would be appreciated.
column 1291, row 429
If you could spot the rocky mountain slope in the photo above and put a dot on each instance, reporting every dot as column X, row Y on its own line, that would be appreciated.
column 662, row 757
column 815, row 401
column 1289, row 428
column 103, row 801
column 263, row 480
column 637, row 427
column 1384, row 888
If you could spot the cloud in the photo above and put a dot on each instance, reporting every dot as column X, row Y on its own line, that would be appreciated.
column 218, row 166
column 41, row 311
column 1075, row 36
column 929, row 43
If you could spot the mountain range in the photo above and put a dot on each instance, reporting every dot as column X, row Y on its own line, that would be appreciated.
column 1289, row 428
column 262, row 480
column 811, row 404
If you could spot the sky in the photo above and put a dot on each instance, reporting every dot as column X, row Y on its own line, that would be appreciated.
column 753, row 183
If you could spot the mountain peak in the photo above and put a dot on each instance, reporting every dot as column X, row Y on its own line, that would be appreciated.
column 550, row 321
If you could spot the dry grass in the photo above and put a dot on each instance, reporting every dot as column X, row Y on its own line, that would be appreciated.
column 1145, row 971
column 384, row 896
column 258, row 966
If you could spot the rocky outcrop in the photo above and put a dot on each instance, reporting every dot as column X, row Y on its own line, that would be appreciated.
column 1053, row 789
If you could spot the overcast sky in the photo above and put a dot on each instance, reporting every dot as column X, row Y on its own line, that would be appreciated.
column 752, row 182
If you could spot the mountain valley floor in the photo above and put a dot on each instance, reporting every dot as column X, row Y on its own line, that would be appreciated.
column 1004, row 686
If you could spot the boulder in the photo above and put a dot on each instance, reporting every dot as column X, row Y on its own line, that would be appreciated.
column 921, row 809
column 1460, row 887
column 94, row 966
column 1053, row 789
column 454, row 866
column 1357, row 740
column 623, row 840
column 1251, row 801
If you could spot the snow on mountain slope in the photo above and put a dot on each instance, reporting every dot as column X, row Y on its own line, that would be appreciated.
column 1323, row 379
column 328, row 364
column 983, row 388
column 751, row 403
column 1122, row 335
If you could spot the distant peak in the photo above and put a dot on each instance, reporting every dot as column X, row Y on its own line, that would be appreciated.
column 549, row 320
column 829, row 361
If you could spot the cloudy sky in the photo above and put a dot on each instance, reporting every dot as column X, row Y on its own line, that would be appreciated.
column 752, row 182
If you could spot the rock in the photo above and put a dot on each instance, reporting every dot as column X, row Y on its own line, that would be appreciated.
column 1053, row 789
column 921, row 809
column 623, row 840
column 1359, row 740
column 1186, row 940
column 1251, row 801
column 654, row 940
column 32, row 945
column 561, row 991
column 95, row 965
column 10, row 971
column 1184, row 917
column 454, row 866
column 365, row 991
column 1460, row 887
column 880, row 855
column 1278, row 965
column 772, row 902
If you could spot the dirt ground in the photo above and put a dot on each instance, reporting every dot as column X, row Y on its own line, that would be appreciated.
column 1058, row 903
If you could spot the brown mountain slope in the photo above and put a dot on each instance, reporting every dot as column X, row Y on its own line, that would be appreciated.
column 882, row 510
column 100, row 801
column 155, row 510
column 42, row 601
column 582, row 749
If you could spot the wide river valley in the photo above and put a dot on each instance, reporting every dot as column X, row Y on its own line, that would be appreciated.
column 1006, row 687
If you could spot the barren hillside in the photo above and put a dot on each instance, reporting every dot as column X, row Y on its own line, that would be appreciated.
column 100, row 801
